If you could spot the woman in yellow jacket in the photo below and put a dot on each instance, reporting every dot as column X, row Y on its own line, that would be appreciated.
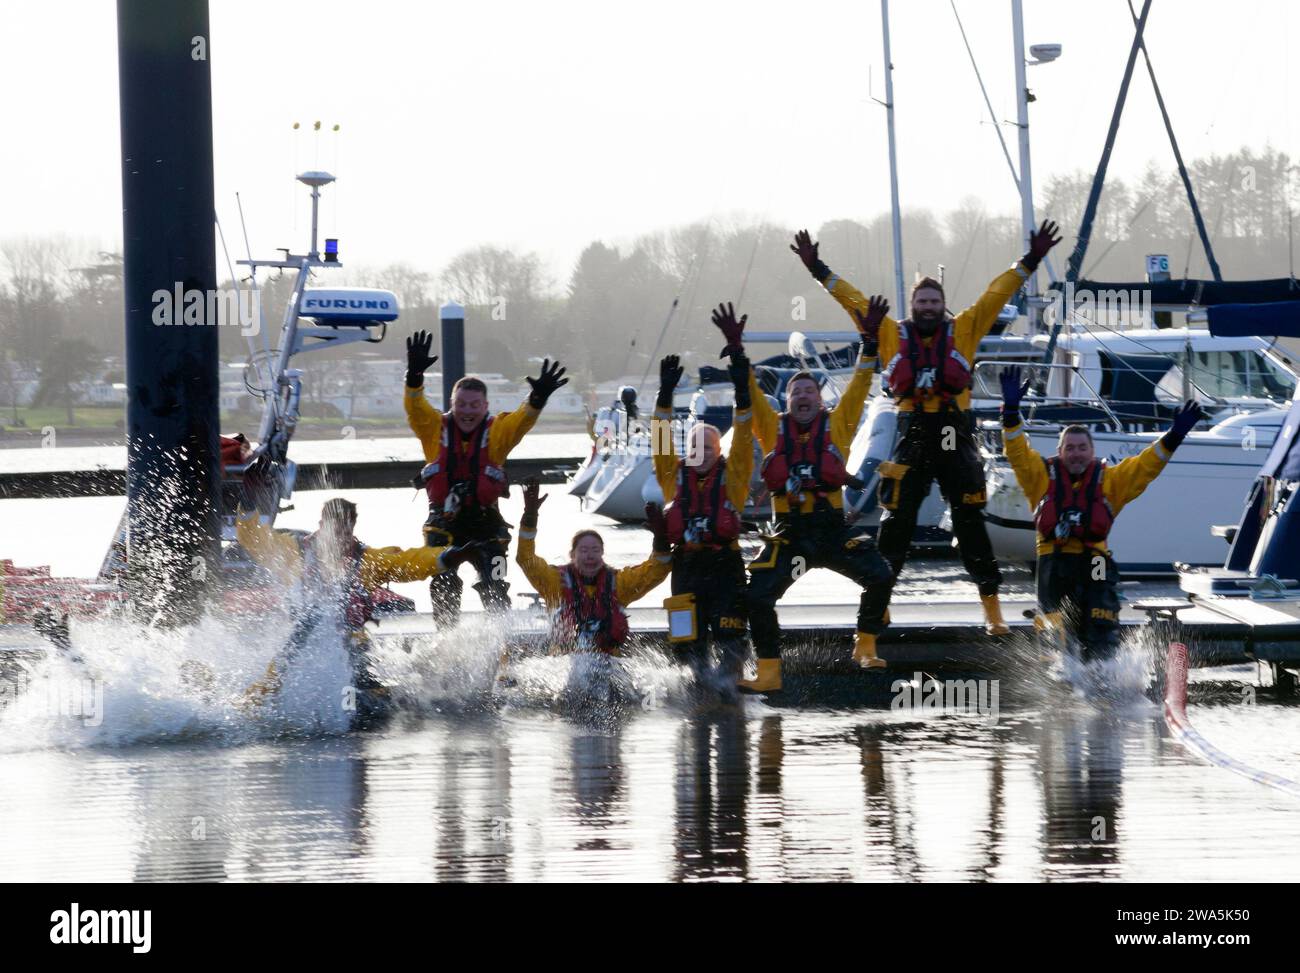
column 586, row 597
column 1075, row 498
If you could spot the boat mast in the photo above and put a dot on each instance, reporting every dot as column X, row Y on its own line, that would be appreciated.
column 1026, row 180
column 893, row 164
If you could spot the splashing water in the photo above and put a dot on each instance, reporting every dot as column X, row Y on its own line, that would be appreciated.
column 134, row 683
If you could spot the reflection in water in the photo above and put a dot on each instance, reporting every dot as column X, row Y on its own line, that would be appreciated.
column 1060, row 790
column 712, row 787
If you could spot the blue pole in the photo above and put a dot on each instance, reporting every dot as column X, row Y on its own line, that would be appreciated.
column 169, row 269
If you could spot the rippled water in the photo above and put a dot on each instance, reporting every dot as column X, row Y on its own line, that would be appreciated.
column 834, row 784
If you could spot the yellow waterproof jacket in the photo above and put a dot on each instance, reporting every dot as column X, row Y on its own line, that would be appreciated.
column 507, row 429
column 740, row 457
column 844, row 423
column 1120, row 484
column 968, row 328
column 629, row 583
column 282, row 554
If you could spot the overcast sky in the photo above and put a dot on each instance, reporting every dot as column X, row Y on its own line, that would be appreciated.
column 545, row 125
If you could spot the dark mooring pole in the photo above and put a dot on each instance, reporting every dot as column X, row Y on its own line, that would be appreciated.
column 169, row 265
column 451, row 321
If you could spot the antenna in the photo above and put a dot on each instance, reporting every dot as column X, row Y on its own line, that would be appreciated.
column 315, row 179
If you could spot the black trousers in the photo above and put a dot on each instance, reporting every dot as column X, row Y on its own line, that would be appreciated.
column 934, row 446
column 472, row 524
column 717, row 580
column 1085, row 589
column 817, row 540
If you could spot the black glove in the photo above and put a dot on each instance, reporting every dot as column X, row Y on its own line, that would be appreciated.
column 1012, row 392
column 870, row 322
column 670, row 376
column 257, row 492
column 806, row 250
column 546, row 383
column 1184, row 419
column 418, row 358
column 533, row 501
column 1040, row 241
column 658, row 525
column 739, row 369
column 724, row 319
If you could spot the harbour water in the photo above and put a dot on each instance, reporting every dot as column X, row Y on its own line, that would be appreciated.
column 1056, row 785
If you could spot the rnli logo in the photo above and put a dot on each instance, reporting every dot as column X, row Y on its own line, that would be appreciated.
column 1103, row 614
column 731, row 622
column 925, row 377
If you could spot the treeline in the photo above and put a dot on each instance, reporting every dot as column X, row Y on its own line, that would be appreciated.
column 614, row 312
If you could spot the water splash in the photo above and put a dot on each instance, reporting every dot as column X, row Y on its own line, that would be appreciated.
column 133, row 683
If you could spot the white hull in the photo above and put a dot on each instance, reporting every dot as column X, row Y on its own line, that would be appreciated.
column 582, row 480
column 615, row 490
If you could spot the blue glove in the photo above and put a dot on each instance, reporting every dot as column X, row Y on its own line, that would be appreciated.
column 1012, row 392
column 1184, row 419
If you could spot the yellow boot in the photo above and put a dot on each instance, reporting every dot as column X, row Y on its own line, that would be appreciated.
column 256, row 694
column 864, row 652
column 767, row 681
column 1051, row 628
column 993, row 623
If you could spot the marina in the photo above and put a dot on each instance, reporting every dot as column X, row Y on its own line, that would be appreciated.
column 933, row 546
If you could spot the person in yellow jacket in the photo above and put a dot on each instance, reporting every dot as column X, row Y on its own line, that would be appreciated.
column 465, row 454
column 804, row 468
column 332, row 564
column 586, row 597
column 928, row 361
column 705, row 495
column 1075, row 498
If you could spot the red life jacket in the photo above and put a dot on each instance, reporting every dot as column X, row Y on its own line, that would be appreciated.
column 924, row 372
column 1065, row 512
column 359, row 605
column 816, row 464
column 479, row 480
column 232, row 451
column 589, row 620
column 706, row 516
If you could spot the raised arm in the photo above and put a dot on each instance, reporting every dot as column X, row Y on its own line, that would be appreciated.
column 1030, row 470
column 544, row 577
column 764, row 421
column 1126, row 480
column 848, row 411
column 637, row 581
column 981, row 316
column 663, row 448
column 854, row 302
column 509, row 429
column 425, row 421
column 279, row 553
column 740, row 459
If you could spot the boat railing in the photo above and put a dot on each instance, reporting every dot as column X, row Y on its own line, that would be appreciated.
column 1096, row 399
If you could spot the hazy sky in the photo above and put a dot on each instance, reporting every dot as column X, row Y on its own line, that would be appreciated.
column 544, row 125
